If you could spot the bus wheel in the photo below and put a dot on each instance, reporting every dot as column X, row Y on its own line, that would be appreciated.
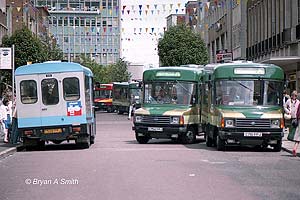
column 84, row 142
column 109, row 109
column 57, row 141
column 120, row 112
column 277, row 147
column 189, row 137
column 220, row 144
column 92, row 140
column 142, row 139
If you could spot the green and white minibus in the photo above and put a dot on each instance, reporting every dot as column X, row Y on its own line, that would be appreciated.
column 242, row 105
column 170, row 107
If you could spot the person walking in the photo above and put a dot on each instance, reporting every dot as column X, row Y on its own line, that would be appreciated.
column 296, row 138
column 291, row 105
column 5, row 118
column 15, row 136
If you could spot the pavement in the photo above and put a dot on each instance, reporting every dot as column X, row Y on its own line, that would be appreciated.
column 9, row 149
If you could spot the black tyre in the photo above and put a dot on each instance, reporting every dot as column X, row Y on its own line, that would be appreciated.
column 142, row 139
column 120, row 112
column 92, row 140
column 277, row 147
column 208, row 140
column 220, row 144
column 189, row 137
column 57, row 141
column 84, row 142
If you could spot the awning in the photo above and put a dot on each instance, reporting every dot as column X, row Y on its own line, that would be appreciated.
column 287, row 63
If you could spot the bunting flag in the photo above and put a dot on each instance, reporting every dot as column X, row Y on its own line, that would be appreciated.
column 152, row 11
column 140, row 6
column 178, row 5
column 171, row 6
column 148, row 6
column 18, row 9
column 132, row 7
column 155, row 6
column 128, row 11
column 124, row 7
column 176, row 10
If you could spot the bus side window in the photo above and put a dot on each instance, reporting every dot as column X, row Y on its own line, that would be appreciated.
column 71, row 89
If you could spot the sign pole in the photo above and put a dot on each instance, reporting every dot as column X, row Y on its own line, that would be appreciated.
column 13, row 73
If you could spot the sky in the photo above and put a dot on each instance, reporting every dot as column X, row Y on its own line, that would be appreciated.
column 142, row 24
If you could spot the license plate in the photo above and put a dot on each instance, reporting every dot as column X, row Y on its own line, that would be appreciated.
column 252, row 134
column 54, row 130
column 155, row 129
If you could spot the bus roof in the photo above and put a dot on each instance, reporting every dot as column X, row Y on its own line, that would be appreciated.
column 104, row 86
column 173, row 73
column 247, row 70
column 51, row 67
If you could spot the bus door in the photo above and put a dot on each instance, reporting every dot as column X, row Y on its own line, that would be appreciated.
column 28, row 98
column 51, row 104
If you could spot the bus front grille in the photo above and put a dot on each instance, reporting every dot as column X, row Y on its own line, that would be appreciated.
column 150, row 119
column 253, row 123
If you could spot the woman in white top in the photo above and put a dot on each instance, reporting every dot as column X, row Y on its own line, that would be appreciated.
column 4, row 114
column 291, row 105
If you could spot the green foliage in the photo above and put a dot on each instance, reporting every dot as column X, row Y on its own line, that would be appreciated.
column 29, row 48
column 119, row 72
column 106, row 74
column 180, row 45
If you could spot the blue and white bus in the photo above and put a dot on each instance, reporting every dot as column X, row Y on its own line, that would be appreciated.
column 55, row 103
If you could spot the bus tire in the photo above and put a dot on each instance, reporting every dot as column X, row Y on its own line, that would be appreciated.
column 277, row 147
column 220, row 144
column 57, row 141
column 142, row 139
column 209, row 141
column 84, row 142
column 120, row 112
column 92, row 140
column 189, row 137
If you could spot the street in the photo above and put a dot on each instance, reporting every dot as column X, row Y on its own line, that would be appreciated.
column 117, row 167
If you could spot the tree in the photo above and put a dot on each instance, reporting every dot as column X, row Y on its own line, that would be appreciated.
column 119, row 72
column 106, row 74
column 28, row 48
column 180, row 46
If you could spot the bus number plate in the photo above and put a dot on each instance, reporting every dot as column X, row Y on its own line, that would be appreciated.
column 252, row 134
column 155, row 129
column 50, row 131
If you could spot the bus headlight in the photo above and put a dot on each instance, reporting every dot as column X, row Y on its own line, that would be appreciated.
column 229, row 123
column 174, row 120
column 275, row 123
column 138, row 119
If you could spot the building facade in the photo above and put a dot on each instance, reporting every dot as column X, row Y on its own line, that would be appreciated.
column 274, row 36
column 24, row 13
column 222, row 25
column 191, row 14
column 86, row 27
column 3, row 20
column 175, row 19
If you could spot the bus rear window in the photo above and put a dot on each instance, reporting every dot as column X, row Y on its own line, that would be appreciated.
column 50, row 91
column 28, row 90
column 71, row 89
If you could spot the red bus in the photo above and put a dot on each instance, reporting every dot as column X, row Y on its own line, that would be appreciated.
column 103, row 97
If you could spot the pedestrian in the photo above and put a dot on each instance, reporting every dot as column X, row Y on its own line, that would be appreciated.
column 5, row 119
column 291, row 105
column 14, row 130
column 296, row 137
column 132, row 106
